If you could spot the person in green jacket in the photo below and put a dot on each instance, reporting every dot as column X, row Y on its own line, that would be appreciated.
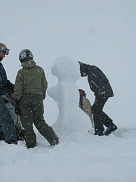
column 29, row 92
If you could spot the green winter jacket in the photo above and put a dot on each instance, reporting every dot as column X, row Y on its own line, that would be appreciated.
column 30, row 79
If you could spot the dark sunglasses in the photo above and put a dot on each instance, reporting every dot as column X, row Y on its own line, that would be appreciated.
column 4, row 50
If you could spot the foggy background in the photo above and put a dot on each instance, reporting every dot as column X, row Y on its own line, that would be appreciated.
column 96, row 32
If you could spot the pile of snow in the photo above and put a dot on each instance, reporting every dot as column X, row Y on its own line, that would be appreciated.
column 71, row 119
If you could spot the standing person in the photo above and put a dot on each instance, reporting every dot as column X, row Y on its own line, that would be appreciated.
column 85, row 105
column 29, row 91
column 7, row 127
column 101, row 87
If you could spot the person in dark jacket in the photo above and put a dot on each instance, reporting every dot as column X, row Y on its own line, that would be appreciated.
column 7, row 127
column 102, row 89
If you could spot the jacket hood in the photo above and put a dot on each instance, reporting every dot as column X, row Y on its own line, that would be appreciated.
column 83, row 69
column 28, row 64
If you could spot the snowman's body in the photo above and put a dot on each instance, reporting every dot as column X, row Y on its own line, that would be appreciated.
column 70, row 118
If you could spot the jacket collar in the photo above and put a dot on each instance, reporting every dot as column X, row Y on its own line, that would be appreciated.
column 29, row 64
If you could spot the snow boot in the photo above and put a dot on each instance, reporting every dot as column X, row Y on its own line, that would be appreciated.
column 99, row 133
column 12, row 142
column 21, row 135
column 111, row 127
column 55, row 142
column 2, row 136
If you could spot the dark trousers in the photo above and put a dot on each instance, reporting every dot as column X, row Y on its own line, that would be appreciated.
column 32, row 111
column 6, row 122
column 100, row 118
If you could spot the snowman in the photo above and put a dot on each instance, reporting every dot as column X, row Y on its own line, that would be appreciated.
column 71, row 119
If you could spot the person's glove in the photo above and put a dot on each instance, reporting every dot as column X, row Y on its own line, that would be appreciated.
column 10, row 87
column 17, row 107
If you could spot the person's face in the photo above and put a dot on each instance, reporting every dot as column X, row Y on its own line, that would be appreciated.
column 2, row 55
column 3, row 52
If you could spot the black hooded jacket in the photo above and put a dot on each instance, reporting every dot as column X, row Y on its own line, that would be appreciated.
column 98, row 82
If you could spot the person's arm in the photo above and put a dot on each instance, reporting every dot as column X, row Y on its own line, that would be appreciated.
column 18, row 88
column 44, row 84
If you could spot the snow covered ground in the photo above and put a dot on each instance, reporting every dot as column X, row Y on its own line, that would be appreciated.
column 97, row 32
column 85, row 159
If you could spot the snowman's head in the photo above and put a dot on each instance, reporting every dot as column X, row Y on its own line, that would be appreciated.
column 66, row 69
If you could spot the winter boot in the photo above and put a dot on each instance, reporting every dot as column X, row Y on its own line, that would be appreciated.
column 111, row 127
column 99, row 133
column 51, row 136
column 2, row 136
column 99, row 130
column 55, row 142
column 12, row 142
column 21, row 135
